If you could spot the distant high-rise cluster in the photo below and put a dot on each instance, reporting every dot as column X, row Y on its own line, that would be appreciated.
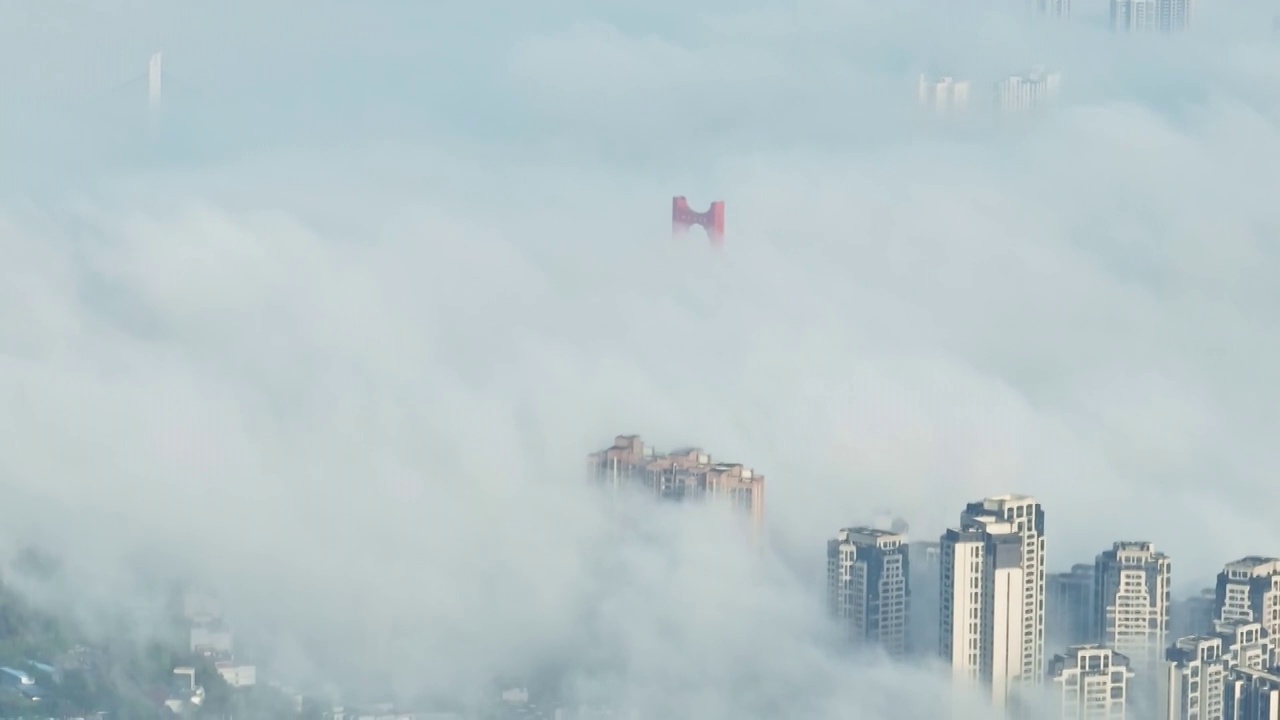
column 1026, row 93
column 1165, row 16
column 943, row 95
column 685, row 474
column 1056, row 9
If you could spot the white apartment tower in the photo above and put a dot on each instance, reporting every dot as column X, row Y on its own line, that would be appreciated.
column 1249, row 589
column 944, row 95
column 1091, row 682
column 1196, row 679
column 1165, row 16
column 1025, row 93
column 1133, row 600
column 980, row 615
column 1026, row 517
column 868, row 586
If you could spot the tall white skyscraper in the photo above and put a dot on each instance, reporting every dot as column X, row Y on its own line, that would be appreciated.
column 1025, row 93
column 1249, row 589
column 1091, row 682
column 1026, row 517
column 868, row 585
column 981, row 606
column 943, row 95
column 1133, row 600
column 1164, row 16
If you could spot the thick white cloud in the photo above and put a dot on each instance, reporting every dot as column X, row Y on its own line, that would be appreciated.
column 353, row 382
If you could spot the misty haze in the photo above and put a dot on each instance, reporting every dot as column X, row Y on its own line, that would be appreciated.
column 733, row 360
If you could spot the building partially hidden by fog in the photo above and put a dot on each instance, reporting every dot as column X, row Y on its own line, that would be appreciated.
column 868, row 583
column 1192, row 615
column 922, row 620
column 1069, row 607
column 686, row 474
column 1249, row 589
column 1165, row 16
column 1132, row 607
column 1056, row 9
column 1091, row 682
column 1027, row 93
column 942, row 95
column 991, row 619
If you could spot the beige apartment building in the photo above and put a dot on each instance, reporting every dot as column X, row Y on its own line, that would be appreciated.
column 685, row 474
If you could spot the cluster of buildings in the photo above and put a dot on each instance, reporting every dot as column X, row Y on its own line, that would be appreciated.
column 684, row 474
column 1123, row 649
column 208, row 637
column 1102, row 640
column 1015, row 94
column 1163, row 16
column 1023, row 93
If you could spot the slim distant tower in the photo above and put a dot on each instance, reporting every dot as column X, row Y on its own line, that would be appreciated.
column 154, row 78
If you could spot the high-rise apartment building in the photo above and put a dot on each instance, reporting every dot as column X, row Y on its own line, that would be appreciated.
column 1026, row 517
column 1069, row 607
column 1091, row 682
column 926, row 566
column 1249, row 589
column 1132, row 606
column 1198, row 673
column 1025, row 93
column 943, row 95
column 1166, row 16
column 679, row 475
column 1246, row 644
column 868, row 581
column 991, row 617
column 981, row 606
column 1195, row 679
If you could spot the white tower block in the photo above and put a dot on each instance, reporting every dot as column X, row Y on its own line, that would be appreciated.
column 154, row 78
